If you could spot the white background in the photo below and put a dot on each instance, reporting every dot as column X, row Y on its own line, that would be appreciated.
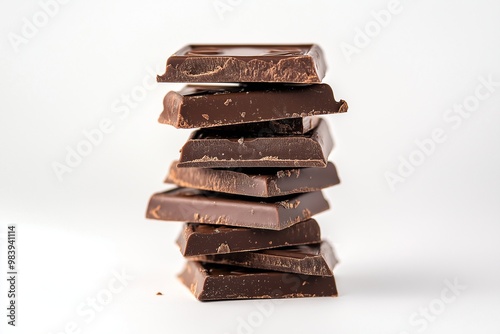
column 397, row 248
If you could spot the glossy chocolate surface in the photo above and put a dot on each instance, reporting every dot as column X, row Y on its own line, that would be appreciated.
column 203, row 239
column 277, row 213
column 197, row 106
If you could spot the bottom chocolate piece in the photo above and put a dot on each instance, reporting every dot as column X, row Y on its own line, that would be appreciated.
column 218, row 282
column 317, row 259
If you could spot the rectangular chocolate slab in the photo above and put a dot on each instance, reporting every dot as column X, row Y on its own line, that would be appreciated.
column 317, row 259
column 208, row 281
column 197, row 106
column 263, row 182
column 207, row 149
column 203, row 239
column 197, row 206
column 246, row 63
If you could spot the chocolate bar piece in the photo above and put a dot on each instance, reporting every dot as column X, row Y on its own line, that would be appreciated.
column 246, row 63
column 207, row 149
column 289, row 126
column 201, row 239
column 198, row 106
column 192, row 205
column 316, row 259
column 263, row 182
column 208, row 281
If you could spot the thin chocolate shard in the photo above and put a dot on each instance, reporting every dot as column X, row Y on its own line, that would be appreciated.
column 246, row 63
column 208, row 282
column 289, row 126
column 207, row 149
column 197, row 106
column 317, row 259
column 263, row 182
column 192, row 205
column 203, row 239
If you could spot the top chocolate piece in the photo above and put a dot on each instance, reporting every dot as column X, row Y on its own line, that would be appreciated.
column 246, row 63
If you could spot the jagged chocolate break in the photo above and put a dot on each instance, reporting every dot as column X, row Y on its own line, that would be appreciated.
column 246, row 63
column 209, row 149
column 258, row 182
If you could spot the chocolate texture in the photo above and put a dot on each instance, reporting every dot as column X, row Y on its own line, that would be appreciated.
column 263, row 182
column 193, row 205
column 216, row 282
column 246, row 63
column 203, row 239
column 317, row 259
column 197, row 106
column 289, row 126
column 209, row 149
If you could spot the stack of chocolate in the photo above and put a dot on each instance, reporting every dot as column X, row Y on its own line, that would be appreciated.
column 250, row 178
